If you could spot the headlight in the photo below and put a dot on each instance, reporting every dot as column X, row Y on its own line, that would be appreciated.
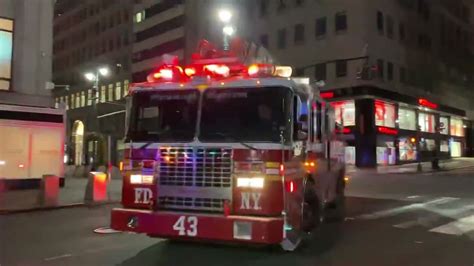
column 253, row 182
column 141, row 179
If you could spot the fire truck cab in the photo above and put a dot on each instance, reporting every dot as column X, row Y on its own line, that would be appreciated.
column 223, row 152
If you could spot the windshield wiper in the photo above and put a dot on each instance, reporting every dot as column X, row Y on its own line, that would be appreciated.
column 227, row 135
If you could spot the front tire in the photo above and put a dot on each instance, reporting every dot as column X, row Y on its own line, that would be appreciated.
column 337, row 209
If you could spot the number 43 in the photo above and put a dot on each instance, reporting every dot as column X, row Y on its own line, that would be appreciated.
column 186, row 226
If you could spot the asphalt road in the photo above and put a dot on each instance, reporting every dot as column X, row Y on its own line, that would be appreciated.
column 392, row 220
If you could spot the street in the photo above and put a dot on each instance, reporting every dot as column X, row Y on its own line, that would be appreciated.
column 398, row 219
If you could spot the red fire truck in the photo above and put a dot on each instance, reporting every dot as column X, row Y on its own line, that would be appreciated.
column 226, row 152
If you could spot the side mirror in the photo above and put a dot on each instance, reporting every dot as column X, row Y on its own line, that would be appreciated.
column 301, row 135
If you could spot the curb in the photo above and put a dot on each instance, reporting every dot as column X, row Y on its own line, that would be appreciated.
column 51, row 208
column 414, row 172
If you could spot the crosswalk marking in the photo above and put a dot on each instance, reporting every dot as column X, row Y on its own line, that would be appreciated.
column 398, row 210
column 438, row 214
column 458, row 227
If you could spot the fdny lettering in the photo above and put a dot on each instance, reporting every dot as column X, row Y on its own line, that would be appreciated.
column 143, row 195
column 247, row 198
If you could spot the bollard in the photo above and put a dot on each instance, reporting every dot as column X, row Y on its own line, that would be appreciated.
column 96, row 190
column 49, row 191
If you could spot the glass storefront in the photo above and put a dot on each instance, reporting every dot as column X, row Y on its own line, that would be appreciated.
column 406, row 118
column 344, row 112
column 407, row 150
column 457, row 127
column 456, row 149
column 444, row 125
column 427, row 122
column 385, row 114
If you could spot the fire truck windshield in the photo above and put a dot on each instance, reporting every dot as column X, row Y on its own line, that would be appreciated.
column 245, row 114
column 164, row 116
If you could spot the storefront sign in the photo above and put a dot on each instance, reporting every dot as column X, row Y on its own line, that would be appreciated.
column 327, row 95
column 426, row 103
column 387, row 131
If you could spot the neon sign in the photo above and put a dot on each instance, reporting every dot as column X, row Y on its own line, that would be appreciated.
column 327, row 95
column 344, row 130
column 387, row 131
column 424, row 102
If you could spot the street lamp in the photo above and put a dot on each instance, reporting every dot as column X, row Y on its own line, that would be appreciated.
column 91, row 76
column 228, row 30
column 225, row 15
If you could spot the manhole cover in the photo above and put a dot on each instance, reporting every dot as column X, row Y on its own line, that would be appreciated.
column 105, row 230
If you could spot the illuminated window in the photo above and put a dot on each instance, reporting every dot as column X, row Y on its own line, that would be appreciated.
column 140, row 16
column 66, row 100
column 407, row 118
column 56, row 103
column 78, row 100
column 73, row 102
column 456, row 127
column 83, row 98
column 111, row 92
column 89, row 97
column 344, row 112
column 385, row 114
column 427, row 122
column 6, row 53
column 102, row 94
column 118, row 90
column 125, row 87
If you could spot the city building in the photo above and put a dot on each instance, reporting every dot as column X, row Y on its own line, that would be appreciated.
column 26, row 52
column 398, row 72
column 90, row 35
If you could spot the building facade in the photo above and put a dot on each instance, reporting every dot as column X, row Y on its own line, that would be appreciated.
column 89, row 35
column 399, row 73
column 26, row 52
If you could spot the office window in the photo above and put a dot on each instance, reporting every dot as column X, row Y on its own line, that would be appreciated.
column 83, row 98
column 380, row 22
column 389, row 27
column 111, row 93
column 321, row 25
column 299, row 33
column 118, row 91
column 341, row 21
column 89, row 97
column 6, row 53
column 125, row 88
column 56, row 103
column 341, row 68
column 264, row 40
column 78, row 100
column 344, row 112
column 139, row 16
column 282, row 39
column 103, row 97
column 406, row 118
column 401, row 31
column 403, row 75
column 427, row 122
column 66, row 100
column 73, row 102
column 320, row 72
column 380, row 68
column 263, row 7
column 385, row 114
column 389, row 71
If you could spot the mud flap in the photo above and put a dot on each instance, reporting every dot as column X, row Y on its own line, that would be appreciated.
column 291, row 241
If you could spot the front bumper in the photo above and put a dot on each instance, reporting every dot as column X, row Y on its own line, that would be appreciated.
column 198, row 226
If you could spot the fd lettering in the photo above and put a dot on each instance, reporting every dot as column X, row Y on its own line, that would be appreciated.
column 143, row 195
column 250, row 201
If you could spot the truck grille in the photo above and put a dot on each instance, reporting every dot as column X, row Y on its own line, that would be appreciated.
column 188, row 203
column 196, row 167
column 194, row 178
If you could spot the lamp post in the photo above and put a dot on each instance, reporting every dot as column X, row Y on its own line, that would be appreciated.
column 95, row 77
column 225, row 17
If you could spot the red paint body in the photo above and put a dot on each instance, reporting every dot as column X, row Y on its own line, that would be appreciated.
column 210, row 227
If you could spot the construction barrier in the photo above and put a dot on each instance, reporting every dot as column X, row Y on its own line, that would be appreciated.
column 96, row 190
column 49, row 191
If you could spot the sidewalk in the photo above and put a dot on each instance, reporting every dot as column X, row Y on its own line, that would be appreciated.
column 72, row 194
column 445, row 165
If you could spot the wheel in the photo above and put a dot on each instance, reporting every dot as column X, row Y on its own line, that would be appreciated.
column 311, row 219
column 336, row 211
